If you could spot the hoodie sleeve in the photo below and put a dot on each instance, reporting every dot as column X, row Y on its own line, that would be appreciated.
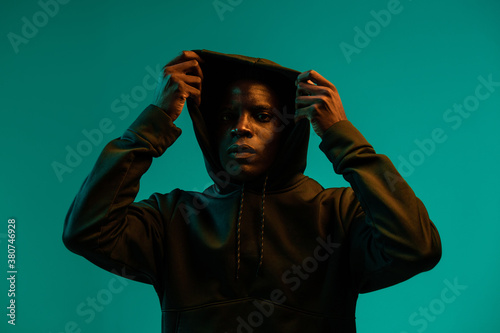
column 389, row 233
column 104, row 224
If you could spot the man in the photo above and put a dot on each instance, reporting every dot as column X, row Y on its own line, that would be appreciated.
column 266, row 248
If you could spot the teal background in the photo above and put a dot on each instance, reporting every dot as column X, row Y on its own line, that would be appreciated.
column 395, row 91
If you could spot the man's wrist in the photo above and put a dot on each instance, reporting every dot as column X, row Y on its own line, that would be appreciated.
column 341, row 139
column 156, row 127
column 173, row 117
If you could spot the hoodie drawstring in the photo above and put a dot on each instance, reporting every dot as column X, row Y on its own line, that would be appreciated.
column 238, row 230
column 262, row 227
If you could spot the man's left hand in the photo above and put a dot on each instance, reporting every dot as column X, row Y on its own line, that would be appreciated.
column 318, row 100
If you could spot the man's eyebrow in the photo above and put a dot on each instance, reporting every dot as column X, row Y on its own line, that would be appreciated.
column 262, row 107
column 224, row 107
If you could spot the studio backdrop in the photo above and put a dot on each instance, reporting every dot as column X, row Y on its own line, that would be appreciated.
column 420, row 79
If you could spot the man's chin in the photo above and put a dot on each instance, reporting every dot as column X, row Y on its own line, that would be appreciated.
column 245, row 174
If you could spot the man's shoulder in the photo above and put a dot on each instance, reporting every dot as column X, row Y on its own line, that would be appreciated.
column 311, row 182
column 310, row 187
column 174, row 195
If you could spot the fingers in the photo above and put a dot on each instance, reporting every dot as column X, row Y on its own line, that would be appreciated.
column 188, row 62
column 185, row 56
column 190, row 67
column 185, row 86
column 191, row 92
column 314, row 77
column 308, row 89
column 183, row 77
column 312, row 88
column 194, row 81
column 312, row 83
column 317, row 100
column 303, row 101
column 193, row 87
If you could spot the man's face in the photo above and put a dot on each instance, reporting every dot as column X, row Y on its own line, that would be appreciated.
column 248, row 129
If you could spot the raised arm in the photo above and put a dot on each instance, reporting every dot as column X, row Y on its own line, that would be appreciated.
column 390, row 235
column 104, row 224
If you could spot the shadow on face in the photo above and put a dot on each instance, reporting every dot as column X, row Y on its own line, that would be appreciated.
column 248, row 129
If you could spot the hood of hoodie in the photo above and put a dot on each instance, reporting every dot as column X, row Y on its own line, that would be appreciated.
column 219, row 70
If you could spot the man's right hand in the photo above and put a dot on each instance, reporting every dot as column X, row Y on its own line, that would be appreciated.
column 181, row 78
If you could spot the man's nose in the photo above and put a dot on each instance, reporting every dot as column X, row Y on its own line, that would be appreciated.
column 242, row 127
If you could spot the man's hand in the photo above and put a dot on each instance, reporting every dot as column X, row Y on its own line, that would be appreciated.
column 181, row 78
column 317, row 99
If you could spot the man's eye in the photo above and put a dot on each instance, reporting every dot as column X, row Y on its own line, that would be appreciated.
column 264, row 117
column 225, row 116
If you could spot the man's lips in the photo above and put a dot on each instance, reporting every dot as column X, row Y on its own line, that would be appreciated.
column 240, row 150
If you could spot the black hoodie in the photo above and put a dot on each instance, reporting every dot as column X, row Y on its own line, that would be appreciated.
column 281, row 255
